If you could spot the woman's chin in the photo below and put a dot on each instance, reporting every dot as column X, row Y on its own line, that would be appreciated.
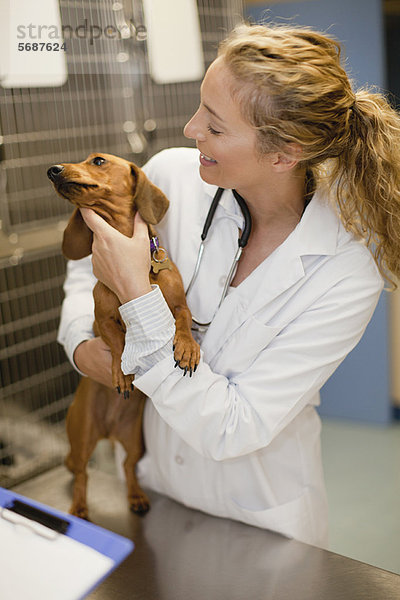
column 209, row 175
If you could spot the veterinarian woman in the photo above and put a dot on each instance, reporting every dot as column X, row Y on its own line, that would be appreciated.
column 279, row 123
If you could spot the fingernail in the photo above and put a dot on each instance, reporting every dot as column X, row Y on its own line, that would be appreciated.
column 118, row 389
column 191, row 372
column 195, row 368
column 176, row 364
column 185, row 371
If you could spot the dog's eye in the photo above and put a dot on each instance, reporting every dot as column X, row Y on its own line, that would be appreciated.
column 98, row 161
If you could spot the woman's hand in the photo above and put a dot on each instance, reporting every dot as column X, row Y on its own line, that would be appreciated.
column 93, row 358
column 122, row 263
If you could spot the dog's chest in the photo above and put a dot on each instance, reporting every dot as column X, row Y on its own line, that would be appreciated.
column 119, row 412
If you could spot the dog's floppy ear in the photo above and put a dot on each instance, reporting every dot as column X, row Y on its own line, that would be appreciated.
column 151, row 203
column 78, row 238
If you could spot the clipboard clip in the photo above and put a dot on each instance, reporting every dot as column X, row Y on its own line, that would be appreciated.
column 38, row 521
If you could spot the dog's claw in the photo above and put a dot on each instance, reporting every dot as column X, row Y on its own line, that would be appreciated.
column 186, row 354
column 123, row 384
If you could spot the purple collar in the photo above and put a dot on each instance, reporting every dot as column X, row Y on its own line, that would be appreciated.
column 154, row 244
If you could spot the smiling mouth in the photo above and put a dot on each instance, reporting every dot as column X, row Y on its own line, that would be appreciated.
column 207, row 158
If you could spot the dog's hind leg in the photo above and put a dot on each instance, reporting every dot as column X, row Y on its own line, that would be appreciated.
column 83, row 434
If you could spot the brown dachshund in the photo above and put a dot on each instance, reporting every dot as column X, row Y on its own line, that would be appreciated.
column 116, row 189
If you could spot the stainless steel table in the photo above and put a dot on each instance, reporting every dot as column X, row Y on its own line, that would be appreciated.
column 182, row 554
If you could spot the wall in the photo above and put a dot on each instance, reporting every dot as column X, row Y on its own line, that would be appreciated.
column 360, row 388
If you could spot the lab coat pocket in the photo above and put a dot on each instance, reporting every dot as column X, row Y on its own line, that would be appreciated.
column 244, row 345
column 291, row 519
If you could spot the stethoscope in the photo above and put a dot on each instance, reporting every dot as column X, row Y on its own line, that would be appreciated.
column 242, row 241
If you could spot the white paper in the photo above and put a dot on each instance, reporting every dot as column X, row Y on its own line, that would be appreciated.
column 30, row 33
column 173, row 40
column 34, row 567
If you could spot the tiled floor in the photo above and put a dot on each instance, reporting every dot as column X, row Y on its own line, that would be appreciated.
column 362, row 471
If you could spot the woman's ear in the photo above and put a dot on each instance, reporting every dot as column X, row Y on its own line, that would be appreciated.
column 78, row 239
column 288, row 158
column 148, row 199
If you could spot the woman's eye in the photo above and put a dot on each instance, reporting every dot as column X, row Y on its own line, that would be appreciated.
column 213, row 131
column 98, row 161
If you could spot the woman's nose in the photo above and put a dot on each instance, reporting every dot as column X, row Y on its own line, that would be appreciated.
column 193, row 130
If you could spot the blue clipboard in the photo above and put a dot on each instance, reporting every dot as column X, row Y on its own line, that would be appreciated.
column 18, row 512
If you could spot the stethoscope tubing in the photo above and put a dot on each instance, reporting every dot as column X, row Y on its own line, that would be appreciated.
column 244, row 238
column 242, row 242
column 197, row 267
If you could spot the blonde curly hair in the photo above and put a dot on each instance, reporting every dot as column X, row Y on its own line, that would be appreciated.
column 350, row 141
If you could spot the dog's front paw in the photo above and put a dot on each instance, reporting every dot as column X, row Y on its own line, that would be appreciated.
column 123, row 383
column 186, row 353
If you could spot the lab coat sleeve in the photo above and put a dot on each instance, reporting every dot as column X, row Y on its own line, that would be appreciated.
column 77, row 311
column 225, row 417
column 149, row 340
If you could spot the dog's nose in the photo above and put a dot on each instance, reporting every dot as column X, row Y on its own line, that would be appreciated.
column 54, row 172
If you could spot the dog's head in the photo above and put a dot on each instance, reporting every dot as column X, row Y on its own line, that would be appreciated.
column 106, row 177
column 112, row 186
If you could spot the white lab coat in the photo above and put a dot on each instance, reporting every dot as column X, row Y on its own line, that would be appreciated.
column 241, row 438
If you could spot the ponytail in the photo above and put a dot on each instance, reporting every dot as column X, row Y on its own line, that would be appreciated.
column 366, row 176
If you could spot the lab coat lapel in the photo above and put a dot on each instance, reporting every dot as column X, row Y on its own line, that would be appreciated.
column 275, row 275
column 316, row 234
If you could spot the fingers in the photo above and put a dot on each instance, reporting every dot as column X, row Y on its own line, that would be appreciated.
column 93, row 357
column 94, row 221
column 140, row 226
column 99, row 225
